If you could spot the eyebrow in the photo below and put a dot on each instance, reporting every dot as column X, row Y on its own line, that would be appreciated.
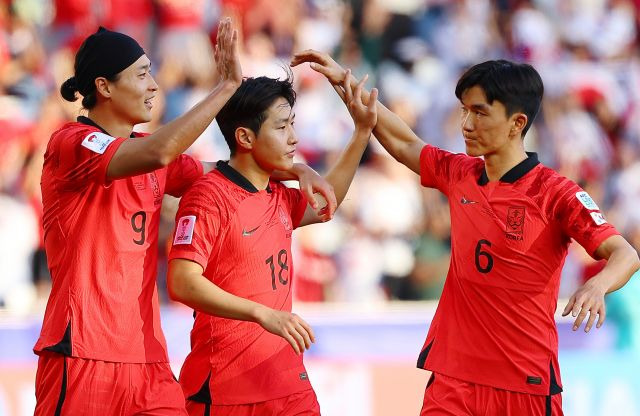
column 284, row 120
column 147, row 66
column 482, row 107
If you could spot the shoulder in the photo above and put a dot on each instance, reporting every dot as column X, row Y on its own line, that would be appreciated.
column 212, row 190
column 73, row 130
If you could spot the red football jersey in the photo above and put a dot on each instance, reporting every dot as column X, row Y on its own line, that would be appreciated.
column 242, row 239
column 101, row 239
column 495, row 320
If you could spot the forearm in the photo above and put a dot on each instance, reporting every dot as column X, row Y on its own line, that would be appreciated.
column 342, row 172
column 394, row 134
column 621, row 265
column 175, row 137
column 202, row 295
column 289, row 175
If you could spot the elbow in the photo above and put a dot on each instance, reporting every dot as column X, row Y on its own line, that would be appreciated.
column 175, row 289
column 162, row 158
column 635, row 260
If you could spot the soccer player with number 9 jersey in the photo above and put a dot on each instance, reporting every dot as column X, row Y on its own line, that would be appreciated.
column 101, row 349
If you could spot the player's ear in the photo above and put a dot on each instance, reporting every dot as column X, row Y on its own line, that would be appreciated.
column 519, row 122
column 245, row 138
column 102, row 87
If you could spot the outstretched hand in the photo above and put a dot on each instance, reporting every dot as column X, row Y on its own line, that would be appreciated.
column 312, row 185
column 588, row 299
column 364, row 115
column 226, row 54
column 322, row 63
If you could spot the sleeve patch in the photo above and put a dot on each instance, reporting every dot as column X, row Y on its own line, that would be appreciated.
column 586, row 200
column 598, row 218
column 184, row 230
column 97, row 142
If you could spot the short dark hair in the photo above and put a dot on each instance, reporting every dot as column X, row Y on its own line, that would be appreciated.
column 517, row 86
column 248, row 106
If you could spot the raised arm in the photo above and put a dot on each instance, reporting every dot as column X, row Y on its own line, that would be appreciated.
column 393, row 133
column 364, row 116
column 159, row 149
column 187, row 285
column 622, row 262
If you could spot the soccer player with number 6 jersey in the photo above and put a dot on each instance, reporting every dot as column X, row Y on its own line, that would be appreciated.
column 493, row 345
column 101, row 349
column 231, row 258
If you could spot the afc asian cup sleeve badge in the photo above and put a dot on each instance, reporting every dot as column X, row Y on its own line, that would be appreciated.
column 97, row 142
column 184, row 230
column 515, row 221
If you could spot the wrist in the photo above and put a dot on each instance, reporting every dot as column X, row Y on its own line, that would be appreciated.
column 228, row 87
column 258, row 314
column 599, row 283
column 362, row 131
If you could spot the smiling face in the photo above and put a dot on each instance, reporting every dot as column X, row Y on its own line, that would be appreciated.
column 486, row 127
column 275, row 142
column 131, row 95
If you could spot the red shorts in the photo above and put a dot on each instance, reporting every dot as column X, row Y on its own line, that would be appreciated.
column 75, row 386
column 449, row 396
column 304, row 403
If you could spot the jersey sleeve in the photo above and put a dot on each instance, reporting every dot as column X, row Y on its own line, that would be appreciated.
column 580, row 217
column 83, row 156
column 196, row 228
column 296, row 201
column 440, row 168
column 181, row 173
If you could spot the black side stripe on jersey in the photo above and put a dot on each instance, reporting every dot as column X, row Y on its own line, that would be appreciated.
column 554, row 388
column 64, row 346
column 204, row 394
column 207, row 410
column 422, row 358
column 63, row 389
column 547, row 407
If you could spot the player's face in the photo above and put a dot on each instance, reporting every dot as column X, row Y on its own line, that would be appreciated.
column 485, row 126
column 276, row 141
column 132, row 93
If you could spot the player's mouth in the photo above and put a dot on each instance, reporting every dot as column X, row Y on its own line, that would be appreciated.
column 291, row 153
column 148, row 102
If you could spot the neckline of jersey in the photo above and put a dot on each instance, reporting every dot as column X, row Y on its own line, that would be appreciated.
column 89, row 122
column 516, row 172
column 236, row 177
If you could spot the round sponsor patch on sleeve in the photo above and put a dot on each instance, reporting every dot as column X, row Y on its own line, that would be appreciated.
column 97, row 141
column 586, row 200
column 184, row 230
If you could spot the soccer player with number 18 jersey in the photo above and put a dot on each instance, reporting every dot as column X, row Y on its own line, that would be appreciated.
column 231, row 260
column 493, row 345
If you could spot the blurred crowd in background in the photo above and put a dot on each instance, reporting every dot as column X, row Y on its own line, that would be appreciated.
column 390, row 238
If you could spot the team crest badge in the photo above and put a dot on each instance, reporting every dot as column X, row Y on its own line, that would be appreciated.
column 515, row 223
column 286, row 221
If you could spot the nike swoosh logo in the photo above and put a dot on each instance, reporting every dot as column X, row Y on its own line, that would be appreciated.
column 246, row 233
column 465, row 201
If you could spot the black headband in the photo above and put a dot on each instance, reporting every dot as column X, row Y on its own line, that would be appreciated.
column 104, row 54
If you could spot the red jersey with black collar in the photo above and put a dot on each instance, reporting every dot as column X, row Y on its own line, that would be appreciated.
column 495, row 320
column 101, row 239
column 242, row 239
